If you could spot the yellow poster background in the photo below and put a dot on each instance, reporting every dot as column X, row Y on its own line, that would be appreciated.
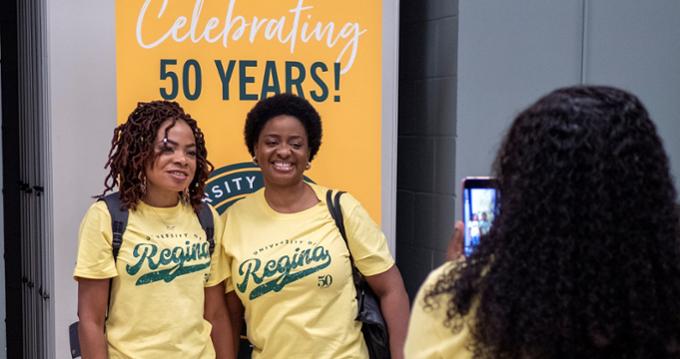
column 350, row 154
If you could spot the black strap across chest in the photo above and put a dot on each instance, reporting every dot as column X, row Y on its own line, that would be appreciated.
column 119, row 219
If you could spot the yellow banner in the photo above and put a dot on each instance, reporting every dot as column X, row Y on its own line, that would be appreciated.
column 217, row 58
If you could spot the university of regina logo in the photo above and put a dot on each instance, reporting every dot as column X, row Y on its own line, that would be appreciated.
column 230, row 183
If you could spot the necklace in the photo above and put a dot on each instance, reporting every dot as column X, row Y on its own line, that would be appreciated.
column 167, row 225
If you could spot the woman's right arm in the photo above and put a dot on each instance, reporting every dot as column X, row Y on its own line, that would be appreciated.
column 235, row 309
column 93, row 297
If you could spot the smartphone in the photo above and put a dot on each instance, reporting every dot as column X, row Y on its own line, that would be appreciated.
column 480, row 197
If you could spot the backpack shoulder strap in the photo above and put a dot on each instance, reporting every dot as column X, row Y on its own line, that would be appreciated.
column 119, row 219
column 205, row 217
column 333, row 203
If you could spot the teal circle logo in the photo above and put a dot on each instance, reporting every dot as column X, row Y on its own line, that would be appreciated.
column 229, row 184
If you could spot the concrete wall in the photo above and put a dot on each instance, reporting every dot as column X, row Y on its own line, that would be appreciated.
column 636, row 46
column 466, row 69
column 511, row 53
column 81, row 51
column 426, row 142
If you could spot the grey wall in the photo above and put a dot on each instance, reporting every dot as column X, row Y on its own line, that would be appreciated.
column 511, row 53
column 81, row 51
column 426, row 140
column 466, row 69
column 635, row 45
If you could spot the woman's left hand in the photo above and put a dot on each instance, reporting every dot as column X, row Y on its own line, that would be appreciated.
column 394, row 304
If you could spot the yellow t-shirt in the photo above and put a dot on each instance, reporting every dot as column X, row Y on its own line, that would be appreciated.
column 427, row 337
column 163, row 266
column 292, row 273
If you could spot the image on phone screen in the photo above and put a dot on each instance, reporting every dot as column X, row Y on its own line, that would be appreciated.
column 479, row 205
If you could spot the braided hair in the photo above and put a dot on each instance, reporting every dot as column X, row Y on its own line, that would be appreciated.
column 132, row 149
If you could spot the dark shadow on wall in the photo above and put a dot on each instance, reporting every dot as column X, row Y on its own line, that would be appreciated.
column 428, row 33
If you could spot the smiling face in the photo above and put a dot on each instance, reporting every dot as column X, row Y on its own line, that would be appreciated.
column 282, row 151
column 174, row 166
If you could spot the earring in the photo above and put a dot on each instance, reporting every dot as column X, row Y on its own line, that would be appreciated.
column 185, row 195
column 142, row 185
column 255, row 160
column 308, row 165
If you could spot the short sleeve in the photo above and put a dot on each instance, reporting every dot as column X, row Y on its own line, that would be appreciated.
column 367, row 243
column 427, row 337
column 228, row 284
column 95, row 253
column 219, row 270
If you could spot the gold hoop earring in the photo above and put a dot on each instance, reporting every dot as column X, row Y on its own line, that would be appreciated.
column 308, row 165
column 255, row 160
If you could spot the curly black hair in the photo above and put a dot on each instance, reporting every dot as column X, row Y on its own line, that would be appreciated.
column 132, row 148
column 583, row 259
column 283, row 104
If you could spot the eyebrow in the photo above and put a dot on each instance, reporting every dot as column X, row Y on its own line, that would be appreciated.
column 166, row 141
column 279, row 136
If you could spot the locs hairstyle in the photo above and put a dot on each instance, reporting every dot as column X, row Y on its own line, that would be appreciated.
column 132, row 148
column 283, row 104
column 583, row 259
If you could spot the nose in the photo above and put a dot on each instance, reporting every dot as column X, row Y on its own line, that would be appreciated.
column 284, row 150
column 181, row 159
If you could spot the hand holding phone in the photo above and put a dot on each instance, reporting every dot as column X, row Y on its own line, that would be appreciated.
column 479, row 209
column 456, row 246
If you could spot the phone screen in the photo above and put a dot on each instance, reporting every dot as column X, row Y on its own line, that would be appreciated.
column 479, row 210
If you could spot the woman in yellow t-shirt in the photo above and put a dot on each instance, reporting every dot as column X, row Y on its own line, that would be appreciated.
column 583, row 258
column 290, row 267
column 162, row 296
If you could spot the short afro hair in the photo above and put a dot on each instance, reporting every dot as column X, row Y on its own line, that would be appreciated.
column 283, row 104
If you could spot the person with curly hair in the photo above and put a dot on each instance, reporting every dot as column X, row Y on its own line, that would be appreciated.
column 290, row 267
column 583, row 257
column 162, row 296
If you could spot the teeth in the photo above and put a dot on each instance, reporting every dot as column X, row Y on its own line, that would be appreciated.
column 283, row 166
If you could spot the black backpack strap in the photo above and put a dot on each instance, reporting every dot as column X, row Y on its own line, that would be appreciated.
column 333, row 203
column 205, row 217
column 119, row 219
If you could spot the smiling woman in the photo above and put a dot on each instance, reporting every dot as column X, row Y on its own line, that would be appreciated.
column 158, row 162
column 291, row 269
column 175, row 164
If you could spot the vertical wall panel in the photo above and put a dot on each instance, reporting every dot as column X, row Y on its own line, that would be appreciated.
column 36, row 263
column 426, row 158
